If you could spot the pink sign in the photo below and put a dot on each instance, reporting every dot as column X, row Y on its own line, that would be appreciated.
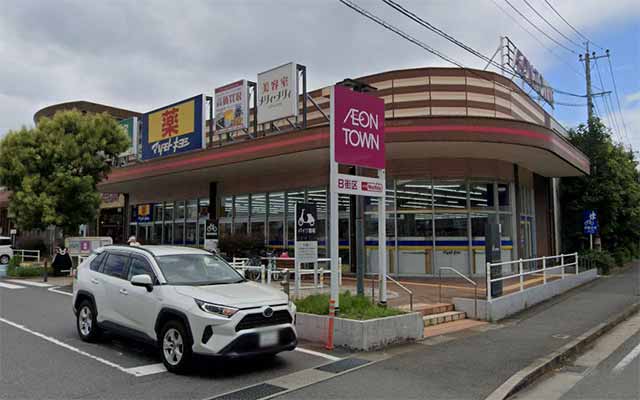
column 359, row 128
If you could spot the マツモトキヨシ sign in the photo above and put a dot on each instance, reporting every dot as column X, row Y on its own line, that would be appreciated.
column 359, row 129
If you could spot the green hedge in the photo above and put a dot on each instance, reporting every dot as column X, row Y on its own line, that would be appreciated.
column 15, row 270
column 603, row 260
column 352, row 307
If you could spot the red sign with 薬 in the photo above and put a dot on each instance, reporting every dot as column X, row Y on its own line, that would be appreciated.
column 358, row 129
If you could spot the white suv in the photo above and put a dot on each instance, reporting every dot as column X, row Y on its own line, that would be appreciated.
column 186, row 301
column 6, row 250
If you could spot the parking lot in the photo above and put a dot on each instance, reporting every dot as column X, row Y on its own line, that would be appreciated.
column 41, row 356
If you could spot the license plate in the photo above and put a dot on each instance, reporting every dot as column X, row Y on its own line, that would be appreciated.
column 268, row 339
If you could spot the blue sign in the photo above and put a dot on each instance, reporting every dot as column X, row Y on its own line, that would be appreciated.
column 174, row 129
column 590, row 222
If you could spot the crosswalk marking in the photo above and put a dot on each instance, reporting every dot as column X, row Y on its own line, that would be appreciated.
column 28, row 283
column 10, row 286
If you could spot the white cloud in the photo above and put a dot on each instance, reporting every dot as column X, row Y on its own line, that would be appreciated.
column 144, row 54
column 632, row 98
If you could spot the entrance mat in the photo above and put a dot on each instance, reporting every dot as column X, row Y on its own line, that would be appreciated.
column 343, row 365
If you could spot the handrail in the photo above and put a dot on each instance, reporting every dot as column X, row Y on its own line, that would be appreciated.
column 409, row 291
column 474, row 283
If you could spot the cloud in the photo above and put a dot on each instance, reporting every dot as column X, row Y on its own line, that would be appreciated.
column 144, row 54
column 632, row 98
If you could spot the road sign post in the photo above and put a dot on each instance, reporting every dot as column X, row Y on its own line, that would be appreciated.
column 306, row 239
column 590, row 218
column 211, row 235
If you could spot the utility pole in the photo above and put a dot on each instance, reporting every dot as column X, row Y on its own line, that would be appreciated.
column 588, row 57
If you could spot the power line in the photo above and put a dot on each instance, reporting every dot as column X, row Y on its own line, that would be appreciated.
column 551, row 25
column 615, row 90
column 402, row 10
column 571, row 26
column 538, row 28
column 559, row 103
column 553, row 53
column 613, row 122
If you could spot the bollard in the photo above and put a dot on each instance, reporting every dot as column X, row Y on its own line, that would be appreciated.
column 262, row 274
column 321, row 278
column 285, row 283
column 332, row 314
column 45, row 278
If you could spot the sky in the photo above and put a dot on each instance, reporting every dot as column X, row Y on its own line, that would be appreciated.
column 144, row 54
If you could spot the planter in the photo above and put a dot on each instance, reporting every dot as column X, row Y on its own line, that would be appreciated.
column 364, row 335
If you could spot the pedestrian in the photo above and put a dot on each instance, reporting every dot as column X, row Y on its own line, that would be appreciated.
column 133, row 241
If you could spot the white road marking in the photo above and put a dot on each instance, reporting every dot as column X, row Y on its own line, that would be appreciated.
column 28, row 283
column 66, row 346
column 145, row 370
column 627, row 360
column 318, row 354
column 55, row 290
column 10, row 286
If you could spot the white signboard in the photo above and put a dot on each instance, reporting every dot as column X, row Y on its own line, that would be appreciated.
column 306, row 233
column 360, row 185
column 232, row 107
column 278, row 93
column 306, row 252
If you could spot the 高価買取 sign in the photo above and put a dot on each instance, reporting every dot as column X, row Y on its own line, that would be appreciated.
column 278, row 93
column 359, row 129
column 174, row 129
column 232, row 107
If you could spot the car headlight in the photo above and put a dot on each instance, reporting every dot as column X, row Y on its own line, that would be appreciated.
column 216, row 309
column 292, row 307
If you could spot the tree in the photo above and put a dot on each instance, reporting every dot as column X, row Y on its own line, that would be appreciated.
column 612, row 188
column 53, row 169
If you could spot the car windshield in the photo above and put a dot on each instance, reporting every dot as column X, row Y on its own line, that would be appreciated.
column 197, row 269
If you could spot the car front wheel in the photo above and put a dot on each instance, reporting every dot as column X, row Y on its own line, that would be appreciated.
column 175, row 347
column 4, row 259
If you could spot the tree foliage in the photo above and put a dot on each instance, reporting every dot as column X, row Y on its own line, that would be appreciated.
column 612, row 188
column 52, row 170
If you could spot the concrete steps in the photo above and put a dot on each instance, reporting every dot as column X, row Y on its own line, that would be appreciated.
column 443, row 317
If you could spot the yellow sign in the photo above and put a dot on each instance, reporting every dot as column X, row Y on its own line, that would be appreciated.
column 172, row 121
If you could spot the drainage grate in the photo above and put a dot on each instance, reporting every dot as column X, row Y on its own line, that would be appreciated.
column 343, row 365
column 252, row 393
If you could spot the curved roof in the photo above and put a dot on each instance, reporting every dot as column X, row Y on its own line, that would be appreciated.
column 84, row 106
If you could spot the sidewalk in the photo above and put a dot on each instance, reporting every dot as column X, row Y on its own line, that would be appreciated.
column 472, row 366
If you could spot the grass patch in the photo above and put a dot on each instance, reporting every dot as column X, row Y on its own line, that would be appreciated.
column 352, row 307
column 25, row 270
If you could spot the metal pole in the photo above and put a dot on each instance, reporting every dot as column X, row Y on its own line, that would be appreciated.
column 521, row 271
column 382, row 238
column 591, row 241
column 333, row 209
column 544, row 270
column 488, row 281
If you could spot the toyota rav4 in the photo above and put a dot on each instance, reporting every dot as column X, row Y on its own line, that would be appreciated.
column 186, row 301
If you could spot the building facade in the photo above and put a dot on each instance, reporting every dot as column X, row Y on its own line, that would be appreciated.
column 464, row 148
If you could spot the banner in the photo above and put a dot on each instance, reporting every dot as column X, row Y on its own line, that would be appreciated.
column 278, row 93
column 174, row 129
column 358, row 128
column 232, row 107
column 130, row 126
column 143, row 213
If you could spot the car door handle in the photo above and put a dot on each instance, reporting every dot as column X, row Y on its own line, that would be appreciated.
column 124, row 292
column 95, row 281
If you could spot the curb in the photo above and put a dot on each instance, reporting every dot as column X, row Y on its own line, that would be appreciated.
column 529, row 374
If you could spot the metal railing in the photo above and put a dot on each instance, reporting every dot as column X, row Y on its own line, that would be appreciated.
column 466, row 278
column 549, row 263
column 26, row 255
column 270, row 272
column 409, row 291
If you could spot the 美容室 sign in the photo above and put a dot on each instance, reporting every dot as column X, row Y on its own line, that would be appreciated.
column 174, row 129
column 278, row 93
column 232, row 105
column 358, row 129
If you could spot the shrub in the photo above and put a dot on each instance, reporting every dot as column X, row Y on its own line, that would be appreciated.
column 352, row 307
column 25, row 270
column 603, row 260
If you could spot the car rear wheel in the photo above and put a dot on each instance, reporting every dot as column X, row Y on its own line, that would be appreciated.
column 86, row 322
column 175, row 347
column 4, row 259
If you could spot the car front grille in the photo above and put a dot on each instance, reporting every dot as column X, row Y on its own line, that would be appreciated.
column 258, row 320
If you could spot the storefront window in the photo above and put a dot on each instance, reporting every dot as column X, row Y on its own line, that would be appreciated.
column 157, row 212
column 258, row 214
column 504, row 200
column 276, row 220
column 227, row 207
column 190, row 233
column 157, row 234
column 168, row 212
column 506, row 223
column 452, row 241
column 178, row 233
column 450, row 196
column 415, row 227
column 203, row 209
column 192, row 210
column 481, row 196
column 180, row 213
column 168, row 233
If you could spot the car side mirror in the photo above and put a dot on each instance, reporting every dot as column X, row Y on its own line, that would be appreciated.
column 143, row 280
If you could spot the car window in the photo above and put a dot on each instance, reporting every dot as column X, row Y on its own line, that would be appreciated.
column 139, row 266
column 97, row 261
column 5, row 242
column 197, row 269
column 116, row 265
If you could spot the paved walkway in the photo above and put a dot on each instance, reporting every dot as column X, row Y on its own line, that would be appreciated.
column 475, row 364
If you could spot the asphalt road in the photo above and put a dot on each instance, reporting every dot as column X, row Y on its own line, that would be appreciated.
column 609, row 370
column 41, row 357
